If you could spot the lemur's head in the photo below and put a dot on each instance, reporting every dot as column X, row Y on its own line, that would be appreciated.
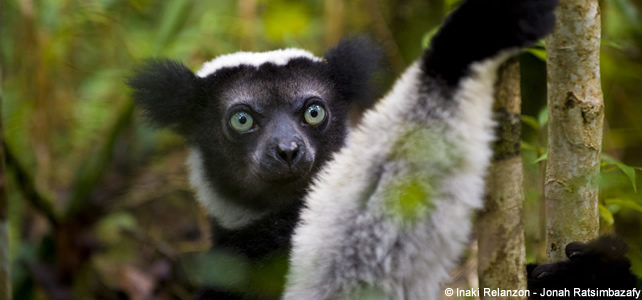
column 260, row 124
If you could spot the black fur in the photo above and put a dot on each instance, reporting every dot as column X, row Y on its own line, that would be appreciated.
column 168, row 92
column 480, row 29
column 353, row 62
column 264, row 240
column 271, row 234
column 598, row 264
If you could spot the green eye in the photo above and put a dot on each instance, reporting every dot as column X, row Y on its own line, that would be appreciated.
column 241, row 121
column 314, row 114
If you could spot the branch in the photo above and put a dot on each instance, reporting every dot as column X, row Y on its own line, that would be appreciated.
column 91, row 173
column 26, row 183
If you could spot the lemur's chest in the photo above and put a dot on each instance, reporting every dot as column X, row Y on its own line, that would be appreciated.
column 264, row 238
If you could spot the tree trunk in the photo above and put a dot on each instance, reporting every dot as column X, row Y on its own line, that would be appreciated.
column 334, row 16
column 500, row 227
column 576, row 112
column 247, row 12
column 5, row 280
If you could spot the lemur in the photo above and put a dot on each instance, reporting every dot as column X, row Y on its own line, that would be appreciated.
column 259, row 127
column 385, row 212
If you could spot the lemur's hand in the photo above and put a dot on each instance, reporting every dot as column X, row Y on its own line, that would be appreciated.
column 598, row 264
column 480, row 29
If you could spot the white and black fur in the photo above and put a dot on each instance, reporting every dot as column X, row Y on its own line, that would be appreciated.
column 252, row 183
column 390, row 214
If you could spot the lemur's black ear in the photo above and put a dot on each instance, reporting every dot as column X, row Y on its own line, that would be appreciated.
column 354, row 62
column 167, row 91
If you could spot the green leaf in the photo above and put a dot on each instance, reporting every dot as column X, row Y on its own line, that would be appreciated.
column 542, row 117
column 539, row 53
column 538, row 50
column 174, row 15
column 425, row 40
column 624, row 202
column 450, row 5
column 608, row 159
column 540, row 44
column 606, row 214
column 612, row 44
column 629, row 11
column 629, row 171
column 541, row 158
column 530, row 121
column 526, row 146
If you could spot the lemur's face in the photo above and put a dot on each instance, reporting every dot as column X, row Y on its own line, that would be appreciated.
column 267, row 130
column 260, row 124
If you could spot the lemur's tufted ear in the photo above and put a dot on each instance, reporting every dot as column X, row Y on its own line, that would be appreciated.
column 354, row 62
column 167, row 91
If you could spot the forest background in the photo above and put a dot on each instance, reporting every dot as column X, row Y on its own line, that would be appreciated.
column 99, row 205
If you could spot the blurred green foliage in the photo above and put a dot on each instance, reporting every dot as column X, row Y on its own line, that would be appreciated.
column 99, row 204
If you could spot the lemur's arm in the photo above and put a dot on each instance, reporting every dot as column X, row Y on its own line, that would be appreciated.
column 390, row 214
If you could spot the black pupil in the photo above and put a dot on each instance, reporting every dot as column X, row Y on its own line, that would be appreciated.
column 314, row 113
column 242, row 119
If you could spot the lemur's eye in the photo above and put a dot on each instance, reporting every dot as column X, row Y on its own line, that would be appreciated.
column 241, row 121
column 314, row 114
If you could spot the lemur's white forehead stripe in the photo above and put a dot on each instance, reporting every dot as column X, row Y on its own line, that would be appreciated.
column 277, row 57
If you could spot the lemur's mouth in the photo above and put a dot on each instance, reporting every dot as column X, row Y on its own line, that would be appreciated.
column 277, row 172
column 286, row 176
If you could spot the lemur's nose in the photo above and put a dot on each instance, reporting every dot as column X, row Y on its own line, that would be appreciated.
column 288, row 152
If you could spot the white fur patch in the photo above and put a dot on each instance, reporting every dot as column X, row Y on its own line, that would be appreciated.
column 349, row 239
column 278, row 57
column 228, row 214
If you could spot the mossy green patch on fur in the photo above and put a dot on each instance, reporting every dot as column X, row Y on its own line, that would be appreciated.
column 409, row 198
